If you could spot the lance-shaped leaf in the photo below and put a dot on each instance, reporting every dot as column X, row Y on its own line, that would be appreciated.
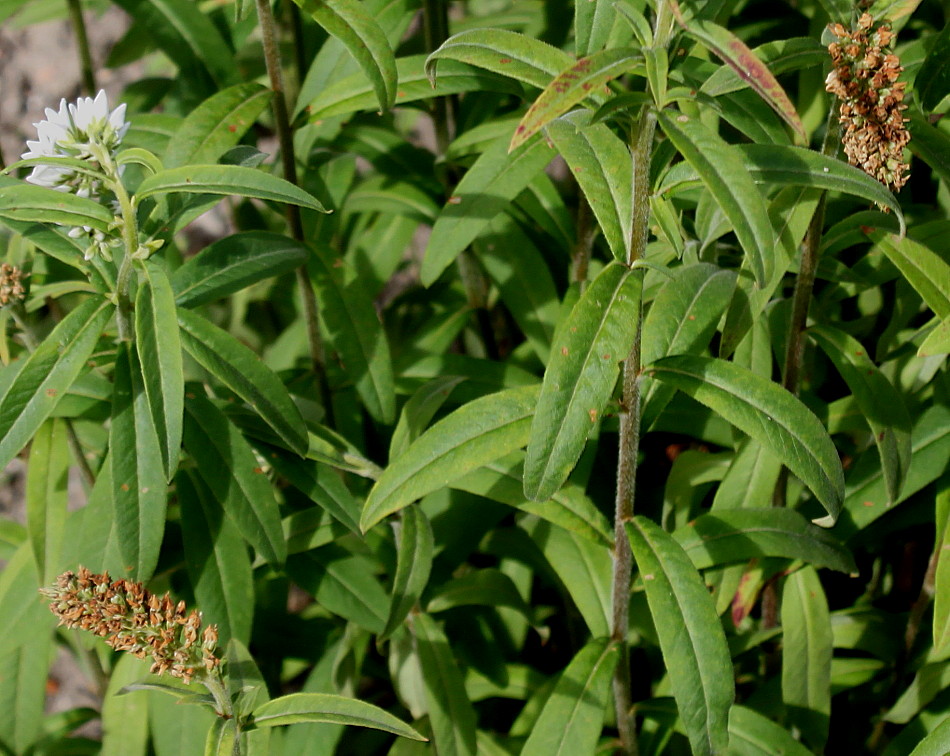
column 937, row 341
column 504, row 52
column 356, row 334
column 593, row 23
column 721, row 169
column 572, row 718
column 603, row 167
column 46, row 496
column 806, row 657
column 226, row 180
column 138, row 473
column 450, row 712
column 485, row 587
column 242, row 371
column 349, row 22
column 752, row 734
column 691, row 637
column 488, row 188
column 880, row 403
column 475, row 434
column 325, row 707
column 46, row 375
column 734, row 52
column 576, row 83
column 923, row 268
column 217, row 124
column 26, row 202
column 937, row 742
column 413, row 565
column 734, row 535
column 585, row 363
column 234, row 263
column 933, row 79
column 227, row 464
column 159, row 350
column 780, row 56
column 768, row 413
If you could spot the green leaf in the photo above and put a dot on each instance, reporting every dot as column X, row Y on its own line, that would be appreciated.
column 585, row 363
column 737, row 535
column 26, row 202
column 324, row 707
column 767, row 413
column 348, row 21
column 485, row 587
column 930, row 144
column 734, row 52
column 781, row 56
column 923, row 268
column 234, row 263
column 694, row 647
column 221, row 737
column 320, row 484
column 475, row 434
column 569, row 508
column 125, row 718
column 488, row 188
column 354, row 93
column 242, row 371
column 47, row 374
column 46, row 496
column 450, row 712
column 751, row 734
column 937, row 341
column 138, row 474
column 593, row 23
column 159, row 352
column 603, row 167
column 216, row 557
column 413, row 565
column 503, row 52
column 227, row 464
column 880, row 403
column 227, row 180
column 575, row 83
column 937, row 742
column 572, row 718
column 419, row 410
column 681, row 320
column 721, row 170
column 21, row 609
column 356, row 334
column 216, row 125
column 806, row 655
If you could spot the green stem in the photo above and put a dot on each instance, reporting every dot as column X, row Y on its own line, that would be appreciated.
column 289, row 162
column 82, row 42
column 123, row 281
column 224, row 707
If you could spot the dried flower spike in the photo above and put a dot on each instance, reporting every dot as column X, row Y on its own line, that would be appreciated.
column 132, row 619
column 864, row 78
column 11, row 286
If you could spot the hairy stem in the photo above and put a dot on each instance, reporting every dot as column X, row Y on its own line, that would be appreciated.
column 289, row 163
column 82, row 42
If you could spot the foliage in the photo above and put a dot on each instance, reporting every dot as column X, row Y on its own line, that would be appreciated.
column 559, row 388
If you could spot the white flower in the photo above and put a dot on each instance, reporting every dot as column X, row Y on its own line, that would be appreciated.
column 85, row 130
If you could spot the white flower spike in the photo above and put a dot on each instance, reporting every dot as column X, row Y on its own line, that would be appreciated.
column 85, row 130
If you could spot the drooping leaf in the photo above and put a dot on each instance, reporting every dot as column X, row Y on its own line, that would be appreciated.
column 234, row 263
column 349, row 21
column 807, row 650
column 47, row 374
column 324, row 707
column 473, row 435
column 781, row 56
column 238, row 368
column 734, row 535
column 691, row 637
column 572, row 717
column 585, row 363
column 226, row 180
column 722, row 171
column 768, row 413
column 582, row 79
column 159, row 353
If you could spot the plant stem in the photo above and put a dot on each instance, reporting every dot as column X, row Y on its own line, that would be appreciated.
column 225, row 707
column 289, row 162
column 82, row 42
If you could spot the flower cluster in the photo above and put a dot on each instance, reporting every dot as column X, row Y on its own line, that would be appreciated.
column 132, row 619
column 864, row 78
column 11, row 286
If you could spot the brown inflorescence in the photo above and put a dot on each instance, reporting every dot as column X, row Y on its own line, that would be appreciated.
column 11, row 285
column 132, row 619
column 864, row 78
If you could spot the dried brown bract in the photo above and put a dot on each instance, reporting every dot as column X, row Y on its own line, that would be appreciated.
column 864, row 78
column 134, row 620
column 11, row 285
